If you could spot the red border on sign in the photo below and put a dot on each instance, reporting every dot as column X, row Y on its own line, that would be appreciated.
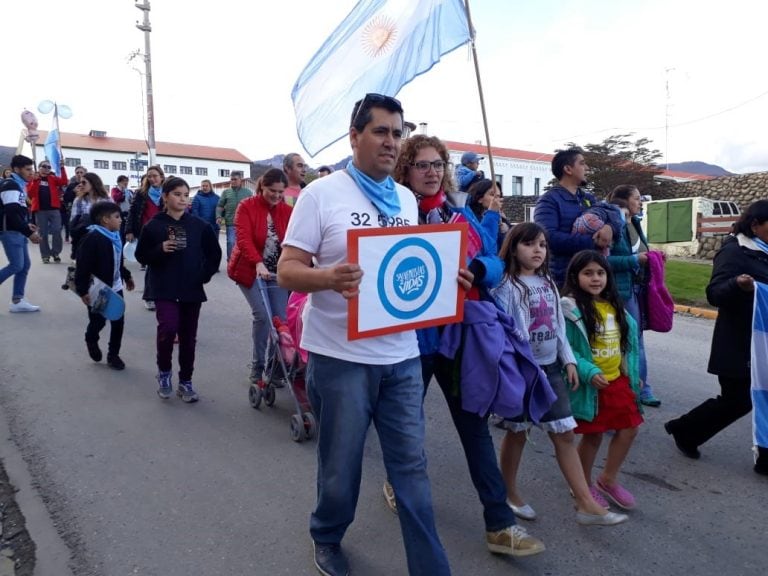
column 353, row 252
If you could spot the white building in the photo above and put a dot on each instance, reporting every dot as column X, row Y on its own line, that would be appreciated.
column 110, row 157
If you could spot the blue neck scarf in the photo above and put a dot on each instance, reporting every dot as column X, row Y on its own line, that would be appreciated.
column 383, row 194
column 760, row 244
column 20, row 181
column 117, row 247
column 154, row 194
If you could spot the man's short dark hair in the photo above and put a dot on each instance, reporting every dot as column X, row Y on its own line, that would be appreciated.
column 288, row 160
column 564, row 158
column 20, row 161
column 361, row 113
column 236, row 174
column 326, row 169
column 122, row 178
column 102, row 210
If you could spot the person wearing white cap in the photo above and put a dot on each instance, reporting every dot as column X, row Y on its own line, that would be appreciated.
column 467, row 172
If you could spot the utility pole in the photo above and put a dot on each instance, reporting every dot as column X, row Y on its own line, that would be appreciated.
column 666, row 118
column 147, row 28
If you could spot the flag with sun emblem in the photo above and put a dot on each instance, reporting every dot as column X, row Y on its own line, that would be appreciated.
column 380, row 47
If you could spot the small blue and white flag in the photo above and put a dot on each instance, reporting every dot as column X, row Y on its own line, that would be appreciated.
column 379, row 47
column 759, row 363
column 52, row 152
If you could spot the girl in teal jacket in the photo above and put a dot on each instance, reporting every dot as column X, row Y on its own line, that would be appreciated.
column 603, row 337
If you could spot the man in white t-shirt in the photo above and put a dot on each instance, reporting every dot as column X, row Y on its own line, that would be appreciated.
column 351, row 383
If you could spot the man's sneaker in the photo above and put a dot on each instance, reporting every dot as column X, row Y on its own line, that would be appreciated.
column 46, row 260
column 94, row 351
column 165, row 388
column 330, row 560
column 389, row 496
column 23, row 306
column 149, row 305
column 115, row 362
column 57, row 258
column 515, row 541
column 648, row 399
column 186, row 392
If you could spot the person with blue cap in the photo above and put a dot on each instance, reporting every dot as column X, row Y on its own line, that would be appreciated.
column 467, row 172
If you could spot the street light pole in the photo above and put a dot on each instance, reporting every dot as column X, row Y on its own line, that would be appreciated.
column 147, row 28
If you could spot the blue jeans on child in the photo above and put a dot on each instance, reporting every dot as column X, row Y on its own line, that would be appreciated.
column 16, row 248
column 346, row 397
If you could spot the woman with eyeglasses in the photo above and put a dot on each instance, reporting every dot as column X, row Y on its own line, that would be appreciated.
column 147, row 202
column 260, row 225
column 423, row 166
column 88, row 191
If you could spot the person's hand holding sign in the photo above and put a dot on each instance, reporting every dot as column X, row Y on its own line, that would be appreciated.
column 345, row 279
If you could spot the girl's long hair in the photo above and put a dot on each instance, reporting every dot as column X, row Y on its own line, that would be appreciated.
column 523, row 232
column 586, row 302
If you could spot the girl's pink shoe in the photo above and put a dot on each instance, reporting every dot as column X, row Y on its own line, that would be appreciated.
column 617, row 494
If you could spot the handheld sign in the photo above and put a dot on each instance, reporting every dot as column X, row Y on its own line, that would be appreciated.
column 106, row 301
column 410, row 278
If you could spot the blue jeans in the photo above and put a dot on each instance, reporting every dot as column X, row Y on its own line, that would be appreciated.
column 16, row 248
column 278, row 300
column 633, row 307
column 477, row 442
column 346, row 397
column 230, row 240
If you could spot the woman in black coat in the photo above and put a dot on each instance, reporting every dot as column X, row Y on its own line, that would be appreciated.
column 742, row 261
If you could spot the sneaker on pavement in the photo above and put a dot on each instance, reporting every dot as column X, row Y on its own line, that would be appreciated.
column 149, row 305
column 598, row 497
column 617, row 494
column 115, row 362
column 515, row 541
column 186, row 392
column 607, row 519
column 524, row 512
column 330, row 560
column 23, row 306
column 389, row 496
column 46, row 260
column 57, row 258
column 165, row 387
column 650, row 400
column 94, row 351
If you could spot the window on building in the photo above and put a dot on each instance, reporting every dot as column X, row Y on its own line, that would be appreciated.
column 138, row 165
column 500, row 181
column 517, row 185
column 72, row 162
column 185, row 169
column 201, row 171
column 169, row 169
column 223, row 172
column 101, row 164
column 530, row 211
column 117, row 165
column 537, row 186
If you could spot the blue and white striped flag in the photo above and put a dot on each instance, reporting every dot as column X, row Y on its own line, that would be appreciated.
column 759, row 363
column 51, row 147
column 380, row 47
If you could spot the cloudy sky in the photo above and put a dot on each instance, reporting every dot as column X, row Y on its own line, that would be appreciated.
column 553, row 71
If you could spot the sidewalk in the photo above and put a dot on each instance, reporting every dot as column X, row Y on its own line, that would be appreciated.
column 697, row 312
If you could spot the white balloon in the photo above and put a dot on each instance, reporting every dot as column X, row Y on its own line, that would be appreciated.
column 45, row 106
column 65, row 111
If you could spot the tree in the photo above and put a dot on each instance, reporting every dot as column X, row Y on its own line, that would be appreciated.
column 620, row 160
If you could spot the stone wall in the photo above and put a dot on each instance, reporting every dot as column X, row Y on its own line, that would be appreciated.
column 742, row 189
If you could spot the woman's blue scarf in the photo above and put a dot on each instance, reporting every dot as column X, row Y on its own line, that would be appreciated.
column 154, row 194
column 117, row 246
column 383, row 194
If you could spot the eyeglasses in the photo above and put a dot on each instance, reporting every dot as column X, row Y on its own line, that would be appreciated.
column 373, row 99
column 438, row 165
column 45, row 166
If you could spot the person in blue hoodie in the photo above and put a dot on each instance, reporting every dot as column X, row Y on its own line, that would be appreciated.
column 561, row 205
column 423, row 167
column 204, row 205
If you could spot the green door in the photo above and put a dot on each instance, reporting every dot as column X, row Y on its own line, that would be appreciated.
column 657, row 222
column 679, row 219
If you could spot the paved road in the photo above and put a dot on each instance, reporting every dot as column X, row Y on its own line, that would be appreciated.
column 139, row 486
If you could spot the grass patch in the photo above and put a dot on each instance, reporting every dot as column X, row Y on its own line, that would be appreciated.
column 687, row 282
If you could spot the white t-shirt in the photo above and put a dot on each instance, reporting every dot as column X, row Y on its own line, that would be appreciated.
column 325, row 210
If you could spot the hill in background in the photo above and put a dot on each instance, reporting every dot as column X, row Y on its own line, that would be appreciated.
column 696, row 167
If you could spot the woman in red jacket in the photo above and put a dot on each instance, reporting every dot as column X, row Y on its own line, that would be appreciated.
column 260, row 224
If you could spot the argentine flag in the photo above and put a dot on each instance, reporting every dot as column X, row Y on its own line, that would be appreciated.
column 759, row 363
column 51, row 147
column 380, row 47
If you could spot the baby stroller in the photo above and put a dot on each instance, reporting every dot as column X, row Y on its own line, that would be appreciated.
column 284, row 367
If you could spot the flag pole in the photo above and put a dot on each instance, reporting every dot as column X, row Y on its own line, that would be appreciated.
column 480, row 91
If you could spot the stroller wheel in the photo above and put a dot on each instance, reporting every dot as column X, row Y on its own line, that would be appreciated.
column 310, row 425
column 297, row 428
column 254, row 396
column 269, row 395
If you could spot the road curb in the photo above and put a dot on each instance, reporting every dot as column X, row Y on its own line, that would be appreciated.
column 698, row 312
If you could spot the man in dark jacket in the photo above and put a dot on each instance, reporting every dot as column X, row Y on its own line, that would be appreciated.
column 557, row 210
column 15, row 229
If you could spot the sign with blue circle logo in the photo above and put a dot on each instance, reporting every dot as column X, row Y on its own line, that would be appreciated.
column 409, row 278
